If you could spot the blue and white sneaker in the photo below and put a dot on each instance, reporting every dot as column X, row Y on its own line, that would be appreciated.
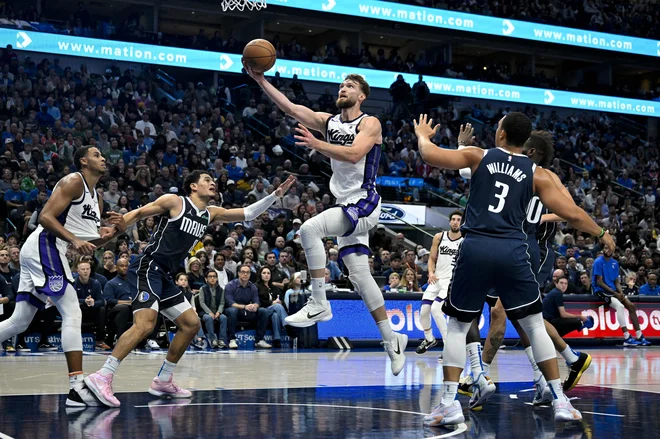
column 643, row 341
column 482, row 389
column 631, row 342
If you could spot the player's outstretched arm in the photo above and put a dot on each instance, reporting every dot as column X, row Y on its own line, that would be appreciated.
column 469, row 157
column 253, row 210
column 169, row 203
column 551, row 217
column 557, row 202
column 302, row 114
column 68, row 189
column 369, row 135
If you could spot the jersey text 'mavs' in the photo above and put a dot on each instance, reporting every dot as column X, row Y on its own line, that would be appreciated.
column 507, row 169
column 193, row 228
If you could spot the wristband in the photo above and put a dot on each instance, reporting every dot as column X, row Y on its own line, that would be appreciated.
column 602, row 232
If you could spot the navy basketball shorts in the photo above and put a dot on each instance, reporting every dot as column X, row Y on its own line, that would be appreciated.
column 547, row 265
column 495, row 267
column 155, row 289
column 604, row 296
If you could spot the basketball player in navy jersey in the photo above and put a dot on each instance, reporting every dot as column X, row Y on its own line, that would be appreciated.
column 503, row 184
column 352, row 142
column 70, row 218
column 183, row 223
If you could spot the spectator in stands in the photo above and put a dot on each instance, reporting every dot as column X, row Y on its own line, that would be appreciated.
column 224, row 276
column 242, row 301
column 333, row 264
column 278, row 279
column 5, row 269
column 270, row 299
column 91, row 302
column 8, row 303
column 212, row 302
column 395, row 266
column 294, row 291
column 585, row 284
column 650, row 288
column 393, row 280
column 409, row 281
column 119, row 298
column 555, row 313
column 556, row 275
column 630, row 287
column 195, row 274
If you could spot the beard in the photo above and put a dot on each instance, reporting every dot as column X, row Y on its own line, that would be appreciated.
column 345, row 103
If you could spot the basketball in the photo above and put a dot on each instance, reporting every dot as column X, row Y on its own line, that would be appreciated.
column 259, row 55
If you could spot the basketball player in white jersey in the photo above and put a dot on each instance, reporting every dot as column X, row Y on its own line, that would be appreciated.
column 441, row 263
column 352, row 143
column 71, row 217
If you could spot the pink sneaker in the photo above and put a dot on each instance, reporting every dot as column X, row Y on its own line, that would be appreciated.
column 102, row 387
column 168, row 388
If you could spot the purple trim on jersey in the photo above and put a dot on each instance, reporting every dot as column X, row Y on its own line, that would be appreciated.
column 371, row 163
column 439, row 299
column 55, row 281
column 31, row 299
column 360, row 249
column 427, row 302
column 362, row 209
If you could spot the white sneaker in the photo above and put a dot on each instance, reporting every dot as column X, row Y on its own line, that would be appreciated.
column 233, row 344
column 482, row 389
column 565, row 412
column 445, row 415
column 542, row 395
column 262, row 344
column 309, row 314
column 153, row 345
column 396, row 350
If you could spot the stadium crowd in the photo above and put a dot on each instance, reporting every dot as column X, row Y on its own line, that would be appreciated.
column 48, row 111
column 637, row 17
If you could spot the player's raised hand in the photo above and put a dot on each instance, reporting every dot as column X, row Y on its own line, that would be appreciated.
column 83, row 247
column 305, row 137
column 424, row 127
column 257, row 76
column 283, row 188
column 466, row 135
column 608, row 241
column 106, row 232
column 117, row 220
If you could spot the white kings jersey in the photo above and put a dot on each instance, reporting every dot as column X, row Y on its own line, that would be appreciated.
column 351, row 182
column 82, row 218
column 447, row 253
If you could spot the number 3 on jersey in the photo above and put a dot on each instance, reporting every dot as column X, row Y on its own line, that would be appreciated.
column 501, row 197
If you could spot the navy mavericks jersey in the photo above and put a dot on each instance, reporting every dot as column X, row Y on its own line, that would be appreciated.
column 500, row 193
column 542, row 233
column 174, row 238
column 545, row 234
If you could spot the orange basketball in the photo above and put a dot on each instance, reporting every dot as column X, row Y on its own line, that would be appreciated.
column 260, row 55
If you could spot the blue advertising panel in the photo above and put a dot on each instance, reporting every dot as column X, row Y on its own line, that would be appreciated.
column 231, row 63
column 352, row 319
column 444, row 19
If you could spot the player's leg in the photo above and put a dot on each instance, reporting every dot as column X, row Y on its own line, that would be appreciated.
column 425, row 319
column 495, row 336
column 439, row 316
column 20, row 319
column 331, row 222
column 578, row 362
column 359, row 275
column 632, row 312
column 28, row 302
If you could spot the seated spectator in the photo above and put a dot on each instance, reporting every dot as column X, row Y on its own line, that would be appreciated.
column 91, row 302
column 585, row 284
column 242, row 304
column 5, row 270
column 271, row 300
column 393, row 283
column 651, row 287
column 119, row 298
column 333, row 264
column 8, row 302
column 295, row 289
column 278, row 278
column 395, row 266
column 555, row 313
column 630, row 287
column 108, row 269
column 409, row 283
column 224, row 276
column 212, row 302
column 195, row 275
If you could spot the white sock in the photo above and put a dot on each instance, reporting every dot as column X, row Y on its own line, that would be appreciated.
column 476, row 365
column 486, row 368
column 385, row 330
column 570, row 355
column 110, row 366
column 318, row 290
column 557, row 391
column 449, row 391
column 166, row 371
column 639, row 334
column 626, row 335
column 76, row 380
column 428, row 335
column 535, row 367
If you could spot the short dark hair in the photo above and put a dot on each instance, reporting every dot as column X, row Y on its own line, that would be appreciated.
column 240, row 267
column 395, row 256
column 364, row 85
column 456, row 212
column 518, row 128
column 562, row 277
column 219, row 254
column 193, row 178
column 544, row 144
column 81, row 153
column 270, row 253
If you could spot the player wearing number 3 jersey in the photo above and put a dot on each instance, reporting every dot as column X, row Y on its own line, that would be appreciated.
column 495, row 245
